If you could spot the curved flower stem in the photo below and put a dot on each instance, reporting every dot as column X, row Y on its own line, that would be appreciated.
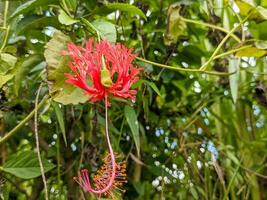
column 211, row 26
column 112, row 158
column 184, row 69
column 37, row 142
column 205, row 65
column 24, row 121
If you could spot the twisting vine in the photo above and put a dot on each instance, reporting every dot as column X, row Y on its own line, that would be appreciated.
column 37, row 141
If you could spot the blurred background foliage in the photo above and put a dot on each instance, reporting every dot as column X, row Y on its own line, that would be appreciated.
column 200, row 135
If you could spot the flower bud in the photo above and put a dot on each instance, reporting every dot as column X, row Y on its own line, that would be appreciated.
column 105, row 78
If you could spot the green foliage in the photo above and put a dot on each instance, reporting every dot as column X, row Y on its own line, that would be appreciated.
column 197, row 129
column 131, row 118
column 57, row 68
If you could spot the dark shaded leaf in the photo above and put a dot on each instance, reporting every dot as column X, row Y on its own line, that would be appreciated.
column 111, row 7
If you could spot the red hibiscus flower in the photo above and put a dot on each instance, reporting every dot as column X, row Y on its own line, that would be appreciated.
column 102, row 69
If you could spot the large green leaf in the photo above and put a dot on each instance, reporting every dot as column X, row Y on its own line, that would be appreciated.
column 36, row 22
column 257, row 13
column 23, row 68
column 258, row 30
column 131, row 118
column 30, row 5
column 26, row 165
column 251, row 51
column 106, row 30
column 175, row 25
column 7, row 62
column 57, row 67
column 111, row 7
column 7, row 68
column 5, row 78
column 65, row 19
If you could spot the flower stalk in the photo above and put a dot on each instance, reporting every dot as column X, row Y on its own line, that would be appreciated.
column 110, row 176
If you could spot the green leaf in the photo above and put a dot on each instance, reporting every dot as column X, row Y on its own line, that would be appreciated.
column 258, row 30
column 6, row 191
column 194, row 193
column 57, row 67
column 261, row 44
column 234, row 79
column 124, row 7
column 106, row 30
column 23, row 69
column 30, row 5
column 7, row 63
column 60, row 119
column 71, row 5
column 131, row 118
column 257, row 13
column 65, row 19
column 9, row 59
column 36, row 22
column 175, row 25
column 251, row 52
column 153, row 86
column 245, row 6
column 5, row 78
column 26, row 165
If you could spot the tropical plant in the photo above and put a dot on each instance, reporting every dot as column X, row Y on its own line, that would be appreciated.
column 179, row 88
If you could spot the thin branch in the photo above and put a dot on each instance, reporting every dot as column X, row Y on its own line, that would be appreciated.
column 5, row 27
column 37, row 142
column 184, row 69
column 212, row 26
column 5, row 13
column 205, row 65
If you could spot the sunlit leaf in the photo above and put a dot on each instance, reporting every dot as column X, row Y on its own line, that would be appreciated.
column 106, row 29
column 57, row 68
column 251, row 52
column 8, row 58
column 5, row 78
column 65, row 19
column 257, row 13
